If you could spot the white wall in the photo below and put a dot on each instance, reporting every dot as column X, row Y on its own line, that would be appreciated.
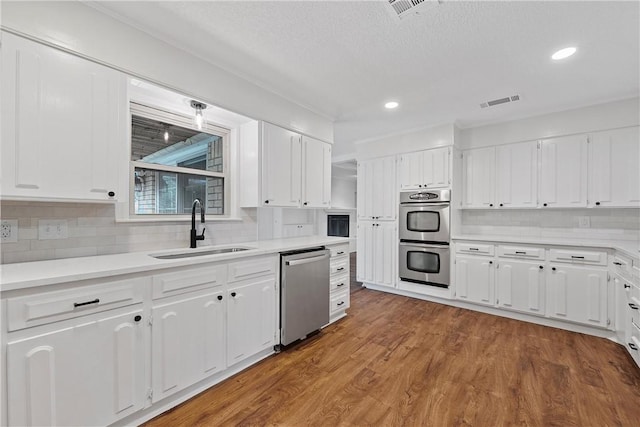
column 438, row 136
column 82, row 30
column 611, row 115
column 343, row 193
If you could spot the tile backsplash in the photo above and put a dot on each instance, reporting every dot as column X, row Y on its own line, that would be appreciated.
column 617, row 224
column 92, row 230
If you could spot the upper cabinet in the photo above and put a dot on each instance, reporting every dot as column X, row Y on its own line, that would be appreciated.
column 614, row 171
column 282, row 168
column 563, row 172
column 478, row 178
column 63, row 124
column 377, row 189
column 517, row 175
column 425, row 169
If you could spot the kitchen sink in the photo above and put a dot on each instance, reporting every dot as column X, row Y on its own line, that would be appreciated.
column 201, row 253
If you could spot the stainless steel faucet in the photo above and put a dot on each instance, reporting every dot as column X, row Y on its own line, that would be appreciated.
column 194, row 235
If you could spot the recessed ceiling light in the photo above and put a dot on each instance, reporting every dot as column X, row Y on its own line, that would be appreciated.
column 391, row 105
column 563, row 53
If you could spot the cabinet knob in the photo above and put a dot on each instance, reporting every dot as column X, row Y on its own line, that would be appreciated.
column 544, row 204
column 541, row 267
column 137, row 318
column 233, row 294
column 553, row 268
column 597, row 203
column 490, row 204
column 490, row 262
column 305, row 203
column 266, row 202
column 111, row 194
column 501, row 204
column 219, row 297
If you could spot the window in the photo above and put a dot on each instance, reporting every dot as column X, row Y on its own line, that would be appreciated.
column 172, row 164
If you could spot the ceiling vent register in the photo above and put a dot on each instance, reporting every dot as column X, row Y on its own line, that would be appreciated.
column 404, row 8
column 495, row 102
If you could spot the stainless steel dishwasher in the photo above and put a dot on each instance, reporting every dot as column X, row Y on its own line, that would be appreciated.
column 304, row 293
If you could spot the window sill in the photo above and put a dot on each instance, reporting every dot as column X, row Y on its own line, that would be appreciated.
column 177, row 219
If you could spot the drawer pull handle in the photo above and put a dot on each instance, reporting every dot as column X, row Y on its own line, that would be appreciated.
column 627, row 286
column 577, row 257
column 341, row 284
column 521, row 252
column 340, row 269
column 80, row 304
column 474, row 249
column 340, row 253
column 617, row 263
column 633, row 306
column 633, row 346
column 340, row 303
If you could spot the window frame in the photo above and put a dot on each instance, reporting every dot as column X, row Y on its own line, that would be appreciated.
column 166, row 116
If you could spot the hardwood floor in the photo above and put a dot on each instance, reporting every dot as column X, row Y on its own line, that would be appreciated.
column 400, row 361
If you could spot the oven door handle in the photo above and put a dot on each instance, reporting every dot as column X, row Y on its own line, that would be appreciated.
column 424, row 204
column 425, row 245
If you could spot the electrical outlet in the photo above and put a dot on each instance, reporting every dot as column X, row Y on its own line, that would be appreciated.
column 584, row 222
column 9, row 230
column 50, row 229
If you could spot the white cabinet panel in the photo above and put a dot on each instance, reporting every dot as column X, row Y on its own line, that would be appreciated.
column 410, row 169
column 281, row 166
column 376, row 189
column 577, row 294
column 425, row 169
column 614, row 168
column 563, row 172
column 103, row 356
column 517, row 175
column 188, row 342
column 474, row 279
column 376, row 248
column 478, row 178
column 316, row 184
column 521, row 286
column 63, row 124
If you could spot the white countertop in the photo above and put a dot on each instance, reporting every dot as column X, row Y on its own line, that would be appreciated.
column 628, row 247
column 39, row 273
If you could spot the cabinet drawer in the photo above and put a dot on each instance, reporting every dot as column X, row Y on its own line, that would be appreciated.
column 633, row 341
column 570, row 255
column 48, row 307
column 339, row 265
column 339, row 302
column 474, row 248
column 621, row 265
column 339, row 282
column 188, row 279
column 339, row 250
column 526, row 252
column 252, row 267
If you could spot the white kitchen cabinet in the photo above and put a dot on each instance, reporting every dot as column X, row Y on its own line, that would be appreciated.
column 521, row 286
column 376, row 189
column 282, row 168
column 251, row 318
column 425, row 169
column 478, row 178
column 517, row 175
column 89, row 371
column 316, row 167
column 563, row 172
column 475, row 279
column 188, row 342
column 614, row 168
column 577, row 293
column 63, row 124
column 377, row 243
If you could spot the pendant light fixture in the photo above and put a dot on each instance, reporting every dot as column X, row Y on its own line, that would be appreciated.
column 198, row 119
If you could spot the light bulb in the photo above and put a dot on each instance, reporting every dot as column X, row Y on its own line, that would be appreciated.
column 166, row 135
column 199, row 119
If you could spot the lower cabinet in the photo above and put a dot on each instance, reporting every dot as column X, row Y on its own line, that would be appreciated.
column 474, row 279
column 251, row 318
column 90, row 371
column 376, row 248
column 188, row 342
column 521, row 286
column 577, row 294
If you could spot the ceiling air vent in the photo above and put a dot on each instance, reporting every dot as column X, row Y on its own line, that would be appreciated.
column 404, row 8
column 495, row 102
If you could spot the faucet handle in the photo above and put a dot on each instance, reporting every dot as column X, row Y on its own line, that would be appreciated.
column 201, row 236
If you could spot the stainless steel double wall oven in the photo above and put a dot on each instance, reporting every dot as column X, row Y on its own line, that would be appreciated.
column 425, row 237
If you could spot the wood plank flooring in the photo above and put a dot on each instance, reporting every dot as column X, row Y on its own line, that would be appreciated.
column 399, row 361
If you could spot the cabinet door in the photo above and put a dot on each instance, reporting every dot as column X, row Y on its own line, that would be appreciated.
column 251, row 318
column 520, row 286
column 63, row 126
column 478, row 178
column 578, row 294
column 436, row 168
column 365, row 253
column 614, row 174
column 410, row 171
column 365, row 183
column 563, row 172
column 188, row 342
column 383, row 188
column 316, row 186
column 517, row 175
column 384, row 260
column 475, row 279
column 281, row 166
column 89, row 372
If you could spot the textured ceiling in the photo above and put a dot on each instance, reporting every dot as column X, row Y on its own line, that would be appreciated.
column 343, row 59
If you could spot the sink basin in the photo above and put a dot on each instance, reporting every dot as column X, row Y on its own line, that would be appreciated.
column 200, row 253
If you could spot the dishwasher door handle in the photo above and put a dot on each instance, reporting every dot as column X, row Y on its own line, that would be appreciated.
column 307, row 260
